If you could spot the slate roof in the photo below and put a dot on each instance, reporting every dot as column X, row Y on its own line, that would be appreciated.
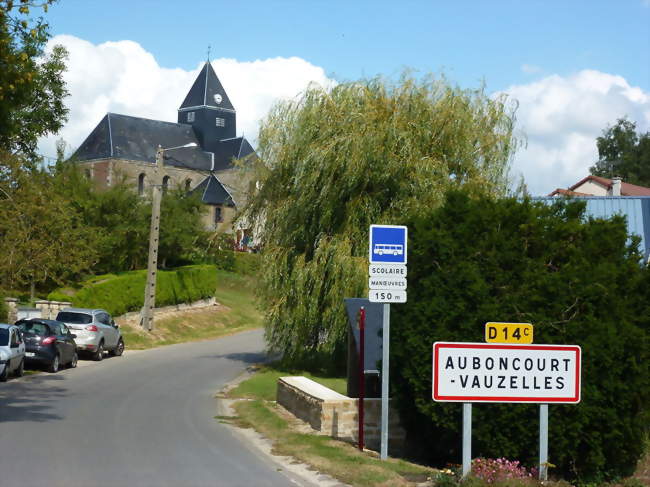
column 136, row 139
column 229, row 149
column 213, row 192
column 205, row 88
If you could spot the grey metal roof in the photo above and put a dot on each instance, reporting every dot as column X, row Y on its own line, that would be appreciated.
column 229, row 149
column 204, row 90
column 213, row 192
column 133, row 138
column 636, row 209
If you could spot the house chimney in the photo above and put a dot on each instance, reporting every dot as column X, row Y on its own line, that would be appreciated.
column 616, row 186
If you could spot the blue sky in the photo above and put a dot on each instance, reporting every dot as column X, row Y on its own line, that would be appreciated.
column 551, row 55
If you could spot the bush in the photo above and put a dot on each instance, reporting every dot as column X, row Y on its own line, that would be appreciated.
column 3, row 309
column 119, row 294
column 578, row 282
column 246, row 263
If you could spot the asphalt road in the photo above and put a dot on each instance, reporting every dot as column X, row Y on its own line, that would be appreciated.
column 144, row 419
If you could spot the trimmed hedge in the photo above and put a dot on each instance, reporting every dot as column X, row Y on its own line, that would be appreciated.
column 122, row 293
column 577, row 281
column 244, row 263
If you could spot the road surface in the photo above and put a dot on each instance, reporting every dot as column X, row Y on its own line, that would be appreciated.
column 144, row 419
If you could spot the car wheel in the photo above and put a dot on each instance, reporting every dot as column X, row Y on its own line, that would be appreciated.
column 54, row 366
column 73, row 362
column 20, row 371
column 119, row 349
column 98, row 356
column 5, row 373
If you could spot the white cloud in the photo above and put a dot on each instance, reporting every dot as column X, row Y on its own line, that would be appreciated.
column 122, row 77
column 530, row 68
column 561, row 118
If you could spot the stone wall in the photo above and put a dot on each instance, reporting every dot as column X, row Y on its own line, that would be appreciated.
column 335, row 415
column 49, row 309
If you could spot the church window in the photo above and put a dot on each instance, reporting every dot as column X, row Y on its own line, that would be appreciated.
column 88, row 173
column 141, row 184
column 188, row 184
column 218, row 215
column 190, row 117
column 165, row 184
column 220, row 122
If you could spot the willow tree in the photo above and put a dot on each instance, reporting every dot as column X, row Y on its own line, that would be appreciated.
column 334, row 161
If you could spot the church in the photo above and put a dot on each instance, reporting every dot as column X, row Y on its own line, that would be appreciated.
column 125, row 146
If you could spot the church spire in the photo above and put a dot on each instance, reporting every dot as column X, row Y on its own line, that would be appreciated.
column 207, row 91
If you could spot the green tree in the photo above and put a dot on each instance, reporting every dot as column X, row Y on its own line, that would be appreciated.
column 623, row 152
column 42, row 237
column 181, row 226
column 333, row 162
column 577, row 280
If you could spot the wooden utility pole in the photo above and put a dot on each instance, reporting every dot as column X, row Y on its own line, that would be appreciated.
column 154, row 232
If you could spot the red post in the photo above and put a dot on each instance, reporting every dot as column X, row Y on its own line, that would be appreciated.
column 362, row 375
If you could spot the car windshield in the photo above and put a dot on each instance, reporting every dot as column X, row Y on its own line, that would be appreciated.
column 4, row 337
column 76, row 318
column 39, row 329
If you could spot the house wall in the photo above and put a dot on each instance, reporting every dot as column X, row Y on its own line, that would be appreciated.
column 591, row 187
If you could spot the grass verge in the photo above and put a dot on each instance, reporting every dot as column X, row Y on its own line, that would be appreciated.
column 336, row 458
column 237, row 312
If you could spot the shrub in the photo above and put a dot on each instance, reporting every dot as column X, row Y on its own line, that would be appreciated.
column 578, row 282
column 3, row 309
column 493, row 470
column 246, row 263
column 122, row 293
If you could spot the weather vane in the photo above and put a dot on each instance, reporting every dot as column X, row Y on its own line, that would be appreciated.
column 209, row 52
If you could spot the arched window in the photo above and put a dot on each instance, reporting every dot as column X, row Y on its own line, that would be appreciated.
column 188, row 184
column 218, row 215
column 165, row 184
column 88, row 173
column 141, row 184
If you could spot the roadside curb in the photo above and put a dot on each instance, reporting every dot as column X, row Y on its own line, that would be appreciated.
column 294, row 469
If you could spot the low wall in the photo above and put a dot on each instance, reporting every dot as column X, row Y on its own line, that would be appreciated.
column 45, row 309
column 335, row 415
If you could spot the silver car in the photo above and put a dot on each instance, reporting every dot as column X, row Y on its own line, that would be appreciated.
column 12, row 351
column 95, row 331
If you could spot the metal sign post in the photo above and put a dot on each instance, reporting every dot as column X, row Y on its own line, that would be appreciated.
column 467, row 438
column 387, row 254
column 384, row 383
column 543, row 441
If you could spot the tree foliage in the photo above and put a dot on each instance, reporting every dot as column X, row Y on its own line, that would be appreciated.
column 623, row 152
column 120, row 220
column 333, row 162
column 42, row 237
column 32, row 89
column 577, row 281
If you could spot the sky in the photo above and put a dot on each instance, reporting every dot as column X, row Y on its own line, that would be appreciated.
column 573, row 67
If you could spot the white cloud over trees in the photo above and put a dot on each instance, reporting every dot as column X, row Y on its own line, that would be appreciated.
column 122, row 77
column 561, row 118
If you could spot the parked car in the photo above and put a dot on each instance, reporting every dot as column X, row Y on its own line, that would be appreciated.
column 12, row 351
column 48, row 342
column 96, row 331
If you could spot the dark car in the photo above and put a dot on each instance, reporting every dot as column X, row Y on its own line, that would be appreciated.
column 48, row 342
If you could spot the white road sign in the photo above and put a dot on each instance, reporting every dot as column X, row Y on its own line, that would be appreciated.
column 387, row 283
column 387, row 270
column 378, row 296
column 491, row 372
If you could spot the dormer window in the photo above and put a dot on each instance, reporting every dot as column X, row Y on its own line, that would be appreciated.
column 190, row 117
column 220, row 122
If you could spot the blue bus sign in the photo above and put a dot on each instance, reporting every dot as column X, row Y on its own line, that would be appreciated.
column 388, row 244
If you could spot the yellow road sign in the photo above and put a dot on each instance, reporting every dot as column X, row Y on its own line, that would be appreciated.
column 508, row 332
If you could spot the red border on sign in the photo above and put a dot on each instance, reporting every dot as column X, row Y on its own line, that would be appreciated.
column 498, row 346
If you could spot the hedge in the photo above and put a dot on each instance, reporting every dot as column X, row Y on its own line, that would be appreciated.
column 578, row 281
column 122, row 293
column 244, row 263
column 3, row 309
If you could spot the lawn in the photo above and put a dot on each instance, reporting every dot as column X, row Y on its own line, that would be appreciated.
column 238, row 312
column 336, row 458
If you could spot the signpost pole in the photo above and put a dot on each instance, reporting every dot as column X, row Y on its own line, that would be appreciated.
column 467, row 438
column 362, row 366
column 384, row 382
column 543, row 442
